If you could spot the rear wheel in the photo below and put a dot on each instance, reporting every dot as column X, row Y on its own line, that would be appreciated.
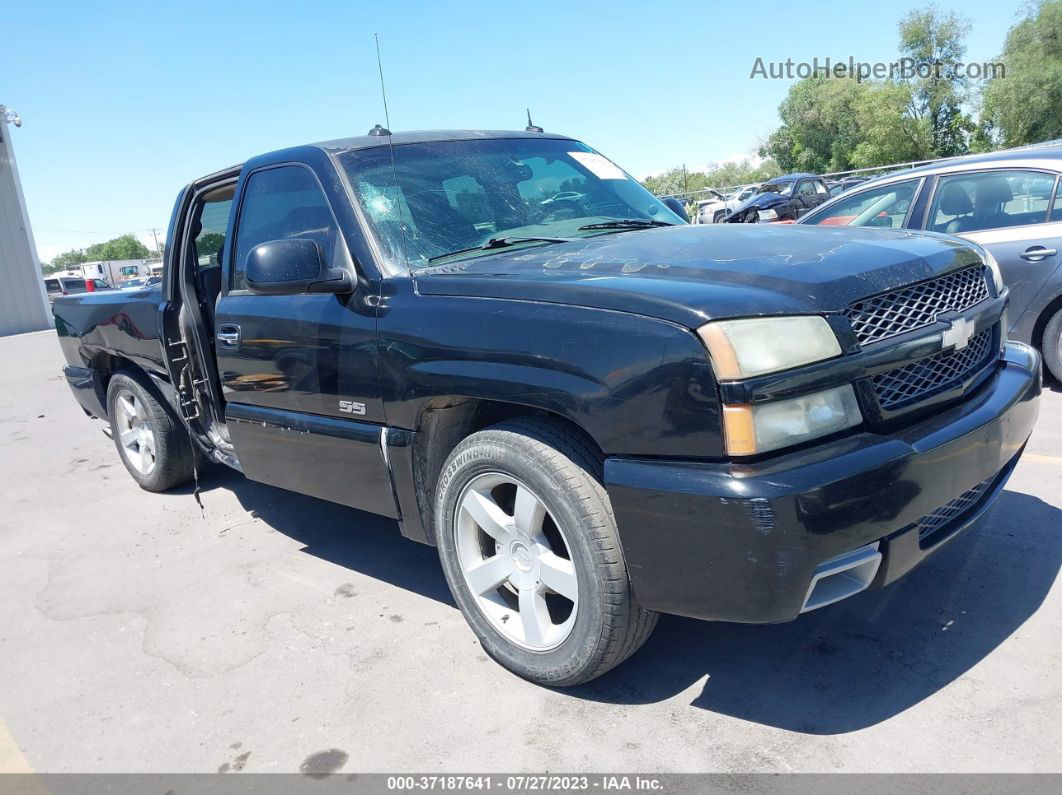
column 530, row 550
column 1052, row 345
column 719, row 216
column 152, row 442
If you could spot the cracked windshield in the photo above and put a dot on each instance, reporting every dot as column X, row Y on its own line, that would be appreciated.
column 442, row 201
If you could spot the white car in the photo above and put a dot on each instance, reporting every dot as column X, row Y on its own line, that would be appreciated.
column 564, row 196
column 713, row 210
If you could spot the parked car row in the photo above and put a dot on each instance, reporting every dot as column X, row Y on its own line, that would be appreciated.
column 839, row 186
column 784, row 198
column 57, row 285
column 718, row 207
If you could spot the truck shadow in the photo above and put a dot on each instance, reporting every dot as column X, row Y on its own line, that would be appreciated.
column 833, row 671
column 359, row 541
column 869, row 658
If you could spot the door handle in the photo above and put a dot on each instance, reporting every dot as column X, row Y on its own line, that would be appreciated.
column 1037, row 253
column 228, row 335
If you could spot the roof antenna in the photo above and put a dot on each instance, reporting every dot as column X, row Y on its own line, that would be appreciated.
column 378, row 130
column 530, row 125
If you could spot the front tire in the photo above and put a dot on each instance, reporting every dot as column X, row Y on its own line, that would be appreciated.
column 151, row 441
column 719, row 217
column 529, row 547
column 1052, row 345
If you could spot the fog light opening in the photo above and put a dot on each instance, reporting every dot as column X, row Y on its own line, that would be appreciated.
column 841, row 577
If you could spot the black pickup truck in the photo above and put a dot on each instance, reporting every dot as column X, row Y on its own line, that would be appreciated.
column 596, row 412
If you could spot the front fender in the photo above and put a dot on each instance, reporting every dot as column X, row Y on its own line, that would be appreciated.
column 637, row 385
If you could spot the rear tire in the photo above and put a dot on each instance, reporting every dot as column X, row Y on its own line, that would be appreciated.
column 552, row 601
column 719, row 216
column 1051, row 346
column 152, row 442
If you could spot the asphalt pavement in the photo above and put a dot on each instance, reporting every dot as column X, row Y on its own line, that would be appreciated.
column 275, row 632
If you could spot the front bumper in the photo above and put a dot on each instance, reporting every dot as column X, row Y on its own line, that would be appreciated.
column 741, row 542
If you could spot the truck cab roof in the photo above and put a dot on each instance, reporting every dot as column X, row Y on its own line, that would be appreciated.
column 426, row 136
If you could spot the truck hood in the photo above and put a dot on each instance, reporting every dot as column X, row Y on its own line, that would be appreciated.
column 692, row 274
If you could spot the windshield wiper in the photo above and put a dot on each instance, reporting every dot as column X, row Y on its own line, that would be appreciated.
column 627, row 223
column 501, row 242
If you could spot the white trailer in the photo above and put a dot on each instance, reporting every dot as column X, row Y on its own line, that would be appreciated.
column 115, row 272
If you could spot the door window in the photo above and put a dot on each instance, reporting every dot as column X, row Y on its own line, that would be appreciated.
column 213, row 224
column 1056, row 209
column 886, row 206
column 807, row 188
column 990, row 200
column 282, row 204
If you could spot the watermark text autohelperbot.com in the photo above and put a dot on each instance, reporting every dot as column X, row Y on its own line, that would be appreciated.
column 851, row 69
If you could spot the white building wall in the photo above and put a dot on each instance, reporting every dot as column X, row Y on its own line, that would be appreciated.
column 23, row 301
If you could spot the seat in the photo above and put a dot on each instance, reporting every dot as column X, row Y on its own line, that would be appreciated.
column 991, row 194
column 210, row 289
column 954, row 200
column 207, row 278
column 443, row 226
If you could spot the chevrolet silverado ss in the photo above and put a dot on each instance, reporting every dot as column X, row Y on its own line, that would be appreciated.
column 595, row 411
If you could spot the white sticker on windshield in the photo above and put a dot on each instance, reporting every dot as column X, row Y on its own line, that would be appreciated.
column 600, row 166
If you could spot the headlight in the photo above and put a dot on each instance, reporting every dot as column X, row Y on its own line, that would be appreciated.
column 755, row 429
column 767, row 215
column 993, row 266
column 990, row 263
column 759, row 345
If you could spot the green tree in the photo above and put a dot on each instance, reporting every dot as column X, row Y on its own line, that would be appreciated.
column 820, row 125
column 125, row 247
column 1024, row 105
column 933, row 40
column 680, row 180
column 211, row 243
column 887, row 132
column 65, row 261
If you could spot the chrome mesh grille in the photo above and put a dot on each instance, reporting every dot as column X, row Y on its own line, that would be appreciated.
column 920, row 379
column 944, row 515
column 888, row 314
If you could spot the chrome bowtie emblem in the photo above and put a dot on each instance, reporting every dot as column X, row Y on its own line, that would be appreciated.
column 958, row 334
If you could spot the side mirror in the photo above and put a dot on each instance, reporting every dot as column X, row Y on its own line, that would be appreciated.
column 677, row 207
column 289, row 267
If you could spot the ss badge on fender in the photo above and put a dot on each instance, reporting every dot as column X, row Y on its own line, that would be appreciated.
column 350, row 407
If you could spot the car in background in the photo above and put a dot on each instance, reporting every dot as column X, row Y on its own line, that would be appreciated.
column 134, row 284
column 783, row 198
column 56, row 286
column 1008, row 202
column 743, row 193
column 564, row 196
column 837, row 187
column 715, row 209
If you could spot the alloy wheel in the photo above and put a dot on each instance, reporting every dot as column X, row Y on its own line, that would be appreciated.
column 134, row 432
column 516, row 562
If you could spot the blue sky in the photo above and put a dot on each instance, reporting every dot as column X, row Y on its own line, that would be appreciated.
column 125, row 102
